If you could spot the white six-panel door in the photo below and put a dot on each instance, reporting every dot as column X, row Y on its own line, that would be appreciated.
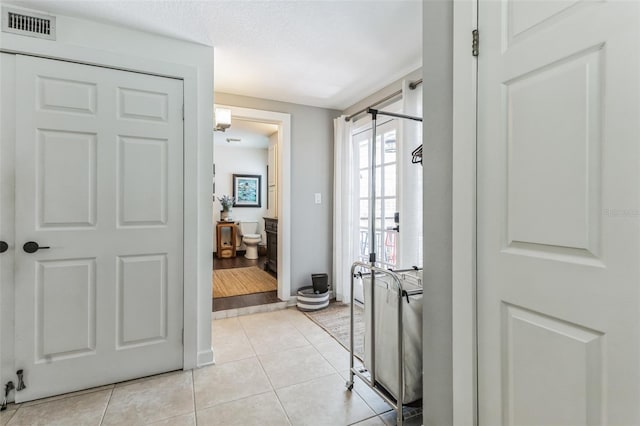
column 558, row 222
column 99, row 172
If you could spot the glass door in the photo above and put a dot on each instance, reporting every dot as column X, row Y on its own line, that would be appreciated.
column 386, row 206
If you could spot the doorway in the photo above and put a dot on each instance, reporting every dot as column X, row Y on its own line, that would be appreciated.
column 254, row 152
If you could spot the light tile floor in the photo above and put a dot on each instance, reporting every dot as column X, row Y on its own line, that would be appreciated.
column 275, row 368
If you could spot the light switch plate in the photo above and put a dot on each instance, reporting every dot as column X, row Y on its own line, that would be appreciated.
column 318, row 197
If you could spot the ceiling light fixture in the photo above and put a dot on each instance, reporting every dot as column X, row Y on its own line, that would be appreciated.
column 222, row 119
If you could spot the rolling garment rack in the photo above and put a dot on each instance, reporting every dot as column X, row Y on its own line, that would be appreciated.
column 369, row 376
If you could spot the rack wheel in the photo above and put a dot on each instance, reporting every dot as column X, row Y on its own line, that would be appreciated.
column 349, row 385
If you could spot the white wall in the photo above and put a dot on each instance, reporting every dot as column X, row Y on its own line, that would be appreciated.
column 100, row 44
column 311, row 172
column 231, row 160
column 385, row 91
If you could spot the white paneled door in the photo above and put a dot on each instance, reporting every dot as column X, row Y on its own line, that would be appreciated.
column 558, row 213
column 99, row 172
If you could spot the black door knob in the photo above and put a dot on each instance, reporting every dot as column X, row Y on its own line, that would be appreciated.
column 3, row 246
column 32, row 247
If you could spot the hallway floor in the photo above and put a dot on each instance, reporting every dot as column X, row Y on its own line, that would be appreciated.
column 275, row 368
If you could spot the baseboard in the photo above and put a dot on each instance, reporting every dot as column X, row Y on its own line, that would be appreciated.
column 292, row 301
column 205, row 358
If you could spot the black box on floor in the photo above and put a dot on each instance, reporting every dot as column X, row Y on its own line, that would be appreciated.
column 320, row 283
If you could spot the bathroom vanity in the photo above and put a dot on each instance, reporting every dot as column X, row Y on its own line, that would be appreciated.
column 271, row 229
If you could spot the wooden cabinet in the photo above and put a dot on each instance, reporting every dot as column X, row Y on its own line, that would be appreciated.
column 225, row 240
column 271, row 229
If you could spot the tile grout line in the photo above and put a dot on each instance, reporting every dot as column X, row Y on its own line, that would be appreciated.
column 282, row 406
column 13, row 415
column 335, row 370
column 193, row 390
column 234, row 400
column 354, row 391
column 273, row 388
column 364, row 420
column 304, row 381
column 265, row 372
column 106, row 407
column 310, row 344
column 63, row 396
column 244, row 330
column 310, row 380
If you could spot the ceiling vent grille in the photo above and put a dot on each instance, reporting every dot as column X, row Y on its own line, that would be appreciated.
column 29, row 24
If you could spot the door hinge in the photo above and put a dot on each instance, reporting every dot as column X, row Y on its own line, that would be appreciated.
column 475, row 44
column 182, row 336
column 182, row 112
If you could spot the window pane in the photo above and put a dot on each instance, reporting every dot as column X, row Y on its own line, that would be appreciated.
column 390, row 147
column 390, row 207
column 385, row 169
column 379, row 212
column 364, row 209
column 389, row 223
column 390, row 180
column 390, row 248
column 364, row 224
column 364, row 183
column 378, row 149
column 363, row 243
column 364, row 153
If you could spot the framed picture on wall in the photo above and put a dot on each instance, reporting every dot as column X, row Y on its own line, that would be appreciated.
column 247, row 190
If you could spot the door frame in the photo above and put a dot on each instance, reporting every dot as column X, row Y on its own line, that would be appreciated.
column 464, row 216
column 449, row 228
column 197, row 351
column 283, row 120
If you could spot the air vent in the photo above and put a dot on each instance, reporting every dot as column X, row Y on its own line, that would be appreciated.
column 28, row 24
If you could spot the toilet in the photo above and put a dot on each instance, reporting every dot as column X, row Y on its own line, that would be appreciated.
column 250, row 238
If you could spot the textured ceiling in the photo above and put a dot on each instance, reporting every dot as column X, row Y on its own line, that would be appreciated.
column 322, row 53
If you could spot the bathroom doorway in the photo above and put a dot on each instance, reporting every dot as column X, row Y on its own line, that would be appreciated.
column 251, row 243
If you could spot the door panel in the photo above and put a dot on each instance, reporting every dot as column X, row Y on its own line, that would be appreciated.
column 142, row 280
column 66, row 186
column 65, row 300
column 98, row 180
column 558, row 230
column 554, row 182
column 142, row 105
column 557, row 364
column 66, row 96
column 142, row 182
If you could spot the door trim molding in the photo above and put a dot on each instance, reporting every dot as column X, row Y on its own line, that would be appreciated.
column 283, row 120
column 464, row 283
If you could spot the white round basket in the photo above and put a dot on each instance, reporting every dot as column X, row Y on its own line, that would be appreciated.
column 309, row 301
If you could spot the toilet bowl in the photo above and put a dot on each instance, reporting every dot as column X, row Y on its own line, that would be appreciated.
column 250, row 238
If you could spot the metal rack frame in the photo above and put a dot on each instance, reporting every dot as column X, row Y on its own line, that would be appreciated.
column 370, row 379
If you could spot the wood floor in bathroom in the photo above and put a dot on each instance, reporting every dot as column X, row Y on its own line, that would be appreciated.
column 235, row 302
